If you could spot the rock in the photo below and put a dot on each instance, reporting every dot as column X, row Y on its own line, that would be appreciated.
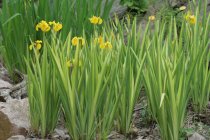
column 5, row 94
column 14, row 119
column 4, row 84
column 141, row 138
column 17, row 137
column 116, row 136
column 55, row 136
column 7, row 129
column 5, row 90
column 118, row 9
column 4, row 74
column 17, row 112
column 174, row 2
column 10, row 91
column 196, row 136
column 19, row 91
column 60, row 132
column 66, row 137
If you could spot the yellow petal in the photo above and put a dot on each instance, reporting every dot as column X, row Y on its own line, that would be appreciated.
column 82, row 40
column 57, row 27
column 94, row 20
column 38, row 46
column 102, row 46
column 100, row 21
column 108, row 45
column 44, row 26
column 31, row 47
column 192, row 19
column 52, row 22
column 38, row 41
column 151, row 18
column 74, row 41
column 37, row 27
column 100, row 40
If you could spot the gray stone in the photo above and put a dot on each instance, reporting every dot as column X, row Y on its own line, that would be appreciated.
column 4, row 84
column 116, row 136
column 196, row 136
column 5, row 94
column 118, row 9
column 66, row 137
column 55, row 136
column 8, row 90
column 4, row 74
column 17, row 137
column 141, row 138
column 60, row 132
column 5, row 90
column 173, row 2
column 19, row 90
column 17, row 112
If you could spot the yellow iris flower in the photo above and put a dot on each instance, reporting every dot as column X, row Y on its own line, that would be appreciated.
column 43, row 25
column 56, row 26
column 96, row 20
column 190, row 18
column 106, row 45
column 151, row 18
column 77, row 40
column 37, row 44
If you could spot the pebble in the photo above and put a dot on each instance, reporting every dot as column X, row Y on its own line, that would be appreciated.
column 196, row 136
column 17, row 137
